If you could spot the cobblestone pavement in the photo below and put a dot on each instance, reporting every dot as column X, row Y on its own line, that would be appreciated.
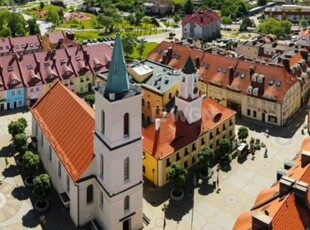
column 206, row 208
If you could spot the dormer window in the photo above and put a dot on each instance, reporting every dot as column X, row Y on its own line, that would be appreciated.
column 29, row 67
column 10, row 68
column 50, row 76
column 14, row 82
column 46, row 64
column 78, row 58
column 62, row 61
column 68, row 73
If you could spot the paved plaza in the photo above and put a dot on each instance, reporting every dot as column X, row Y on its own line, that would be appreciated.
column 203, row 208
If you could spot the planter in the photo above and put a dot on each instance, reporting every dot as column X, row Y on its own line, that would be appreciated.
column 19, row 161
column 28, row 181
column 206, row 177
column 41, row 205
column 177, row 197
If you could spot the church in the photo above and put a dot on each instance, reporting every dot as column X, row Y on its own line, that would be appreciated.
column 94, row 156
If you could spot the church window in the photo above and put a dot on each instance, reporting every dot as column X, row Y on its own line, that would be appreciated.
column 148, row 105
column 59, row 169
column 126, row 125
column 126, row 169
column 102, row 122
column 126, row 203
column 89, row 194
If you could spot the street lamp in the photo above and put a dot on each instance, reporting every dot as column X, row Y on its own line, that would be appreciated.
column 218, row 177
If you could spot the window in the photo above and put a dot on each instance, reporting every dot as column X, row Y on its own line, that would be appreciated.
column 89, row 194
column 143, row 169
column 59, row 169
column 193, row 147
column 168, row 163
column 217, row 131
column 42, row 139
column 13, row 93
column 202, row 141
column 178, row 156
column 224, row 127
column 143, row 102
column 148, row 105
column 126, row 125
column 217, row 142
column 126, row 203
column 254, row 113
column 31, row 90
column 170, row 95
column 102, row 122
column 185, row 164
column 20, row 102
column 230, row 133
column 126, row 169
column 211, row 136
column 230, row 122
column 249, row 112
column 37, row 89
column 50, row 153
column 101, row 166
column 185, row 152
column 101, row 200
column 68, row 184
column 193, row 160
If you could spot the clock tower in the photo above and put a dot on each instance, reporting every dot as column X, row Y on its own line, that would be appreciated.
column 188, row 100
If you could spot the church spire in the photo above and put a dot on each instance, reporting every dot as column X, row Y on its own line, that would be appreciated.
column 118, row 81
column 189, row 67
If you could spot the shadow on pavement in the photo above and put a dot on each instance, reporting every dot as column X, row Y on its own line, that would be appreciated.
column 206, row 189
column 286, row 131
column 176, row 210
column 30, row 219
column 6, row 151
column 21, row 193
column 11, row 171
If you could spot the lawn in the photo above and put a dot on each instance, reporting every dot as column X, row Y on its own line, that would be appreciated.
column 75, row 23
column 83, row 35
column 149, row 46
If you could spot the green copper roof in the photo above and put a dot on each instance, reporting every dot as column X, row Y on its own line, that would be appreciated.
column 118, row 81
column 189, row 66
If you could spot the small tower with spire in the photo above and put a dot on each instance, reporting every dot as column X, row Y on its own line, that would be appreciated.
column 188, row 100
column 118, row 148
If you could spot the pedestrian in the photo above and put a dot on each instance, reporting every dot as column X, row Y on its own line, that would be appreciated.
column 266, row 153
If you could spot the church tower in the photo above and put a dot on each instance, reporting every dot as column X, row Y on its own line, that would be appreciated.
column 188, row 100
column 118, row 148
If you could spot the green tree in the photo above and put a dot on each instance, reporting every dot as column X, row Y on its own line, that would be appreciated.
column 31, row 163
column 42, row 5
column 177, row 18
column 141, row 48
column 33, row 27
column 226, row 20
column 90, row 99
column 177, row 174
column 53, row 15
column 246, row 22
column 5, row 32
column 234, row 8
column 129, row 41
column 139, row 14
column 243, row 133
column 205, row 156
column 278, row 28
column 17, row 24
column 303, row 22
column 131, row 19
column 188, row 7
column 16, row 127
column 261, row 2
column 224, row 147
column 20, row 143
column 41, row 186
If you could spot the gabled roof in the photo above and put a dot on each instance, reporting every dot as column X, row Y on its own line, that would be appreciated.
column 31, row 42
column 5, row 45
column 175, row 133
column 10, row 72
column 79, row 60
column 47, row 65
column 201, row 17
column 55, row 36
column 30, row 71
column 63, row 64
column 118, row 80
column 286, row 211
column 68, row 123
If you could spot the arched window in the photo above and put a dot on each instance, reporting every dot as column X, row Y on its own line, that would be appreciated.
column 126, row 169
column 157, row 109
column 148, row 105
column 126, row 203
column 143, row 102
column 89, row 194
column 126, row 125
column 170, row 95
column 102, row 122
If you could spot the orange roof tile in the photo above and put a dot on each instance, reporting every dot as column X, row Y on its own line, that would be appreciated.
column 175, row 133
column 68, row 123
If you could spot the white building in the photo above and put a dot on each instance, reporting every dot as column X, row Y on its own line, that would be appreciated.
column 204, row 25
column 94, row 158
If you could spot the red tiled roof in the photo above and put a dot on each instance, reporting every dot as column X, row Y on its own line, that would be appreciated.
column 68, row 123
column 47, row 65
column 287, row 211
column 99, row 56
column 55, row 36
column 78, row 60
column 63, row 64
column 175, row 133
column 30, row 71
column 5, row 45
column 215, row 69
column 31, row 42
column 10, row 72
column 201, row 17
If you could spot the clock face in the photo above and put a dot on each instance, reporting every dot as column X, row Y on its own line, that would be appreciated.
column 195, row 91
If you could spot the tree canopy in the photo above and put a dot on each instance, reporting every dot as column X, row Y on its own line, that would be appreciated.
column 177, row 174
column 41, row 186
column 205, row 156
column 129, row 42
column 53, row 15
column 278, row 28
column 224, row 146
column 90, row 99
column 20, row 143
column 31, row 162
column 16, row 127
column 188, row 7
column 234, row 8
column 243, row 133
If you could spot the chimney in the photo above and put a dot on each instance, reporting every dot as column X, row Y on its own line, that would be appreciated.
column 301, row 191
column 286, row 185
column 169, row 54
column 261, row 220
column 279, row 59
column 305, row 158
column 197, row 62
column 157, row 124
column 254, row 42
column 304, row 54
column 231, row 74
column 286, row 63
column 164, row 60
column 252, row 70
